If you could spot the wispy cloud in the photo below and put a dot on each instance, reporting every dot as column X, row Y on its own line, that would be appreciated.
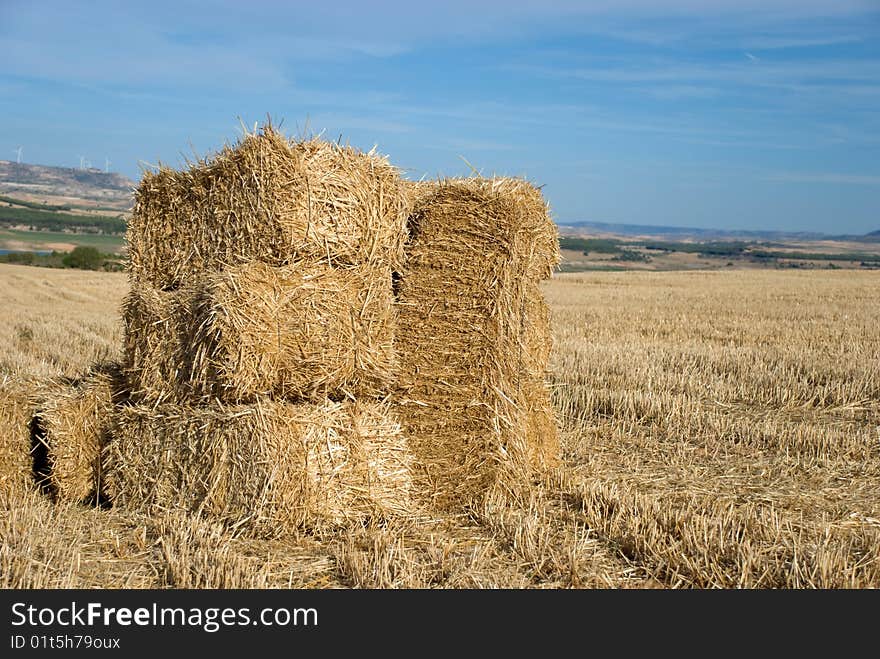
column 679, row 92
column 783, row 42
column 165, row 64
column 335, row 121
column 825, row 177
column 840, row 70
column 832, row 84
column 466, row 146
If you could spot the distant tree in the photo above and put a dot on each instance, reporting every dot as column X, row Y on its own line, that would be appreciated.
column 631, row 255
column 84, row 258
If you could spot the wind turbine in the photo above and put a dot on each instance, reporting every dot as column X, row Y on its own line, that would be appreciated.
column 18, row 155
column 82, row 162
column 107, row 164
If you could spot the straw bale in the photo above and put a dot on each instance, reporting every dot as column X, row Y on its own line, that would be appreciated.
column 271, row 199
column 474, row 336
column 296, row 332
column 305, row 331
column 414, row 191
column 155, row 326
column 269, row 467
column 16, row 410
column 542, row 432
column 501, row 216
column 77, row 424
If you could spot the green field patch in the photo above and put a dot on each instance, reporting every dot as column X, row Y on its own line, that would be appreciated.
column 38, row 240
column 587, row 245
column 34, row 204
column 814, row 256
column 52, row 220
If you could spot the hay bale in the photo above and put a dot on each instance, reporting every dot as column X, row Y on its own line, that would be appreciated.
column 305, row 332
column 271, row 467
column 473, row 336
column 302, row 331
column 155, row 325
column 269, row 199
column 414, row 191
column 535, row 400
column 161, row 231
column 76, row 422
column 543, row 450
column 16, row 410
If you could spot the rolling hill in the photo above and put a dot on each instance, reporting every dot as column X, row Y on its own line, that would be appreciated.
column 89, row 189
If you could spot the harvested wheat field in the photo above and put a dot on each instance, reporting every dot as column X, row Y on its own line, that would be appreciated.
column 718, row 430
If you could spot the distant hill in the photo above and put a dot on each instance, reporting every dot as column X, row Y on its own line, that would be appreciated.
column 42, row 182
column 706, row 234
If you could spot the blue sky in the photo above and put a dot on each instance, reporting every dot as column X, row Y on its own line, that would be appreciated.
column 737, row 114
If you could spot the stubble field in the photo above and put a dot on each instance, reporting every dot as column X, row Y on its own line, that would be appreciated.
column 720, row 429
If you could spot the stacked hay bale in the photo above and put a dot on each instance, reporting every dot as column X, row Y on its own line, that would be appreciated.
column 16, row 461
column 75, row 423
column 474, row 336
column 300, row 330
column 280, row 292
column 271, row 465
column 259, row 337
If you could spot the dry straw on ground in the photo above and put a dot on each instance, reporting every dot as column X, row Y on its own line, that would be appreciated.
column 301, row 331
column 16, row 409
column 271, row 467
column 269, row 199
column 473, row 335
column 720, row 431
column 76, row 424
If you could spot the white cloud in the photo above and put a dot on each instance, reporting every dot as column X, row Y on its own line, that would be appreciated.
column 678, row 92
column 783, row 42
column 824, row 177
column 740, row 73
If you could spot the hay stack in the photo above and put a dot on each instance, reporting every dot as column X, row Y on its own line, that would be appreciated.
column 16, row 410
column 473, row 336
column 267, row 199
column 76, row 422
column 262, row 291
column 270, row 467
column 301, row 331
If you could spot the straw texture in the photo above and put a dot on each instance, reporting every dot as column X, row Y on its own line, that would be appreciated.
column 303, row 331
column 76, row 421
column 16, row 409
column 473, row 336
column 269, row 199
column 270, row 467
